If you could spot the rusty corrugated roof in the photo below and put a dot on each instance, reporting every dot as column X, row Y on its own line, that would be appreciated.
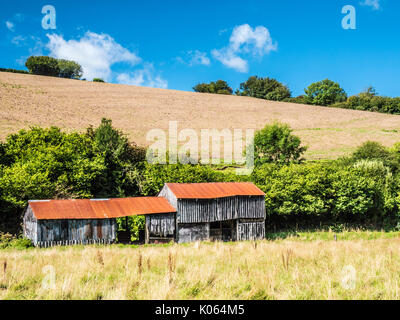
column 99, row 208
column 214, row 190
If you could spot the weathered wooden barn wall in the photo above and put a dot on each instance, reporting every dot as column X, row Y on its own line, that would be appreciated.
column 50, row 231
column 30, row 225
column 169, row 195
column 78, row 230
column 193, row 232
column 160, row 226
column 222, row 209
column 250, row 230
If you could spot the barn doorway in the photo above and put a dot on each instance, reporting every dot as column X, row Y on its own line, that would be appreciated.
column 124, row 235
column 223, row 230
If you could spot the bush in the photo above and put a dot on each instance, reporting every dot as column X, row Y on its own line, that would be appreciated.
column 370, row 101
column 264, row 88
column 324, row 93
column 13, row 71
column 98, row 80
column 9, row 241
column 299, row 99
column 276, row 144
column 218, row 87
column 371, row 150
column 46, row 66
column 69, row 69
column 312, row 194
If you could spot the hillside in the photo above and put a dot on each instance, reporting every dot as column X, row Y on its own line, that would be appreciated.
column 27, row 100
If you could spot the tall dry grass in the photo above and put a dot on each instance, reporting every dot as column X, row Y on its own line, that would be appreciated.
column 264, row 270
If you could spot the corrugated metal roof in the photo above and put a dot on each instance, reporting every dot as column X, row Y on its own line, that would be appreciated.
column 214, row 190
column 99, row 208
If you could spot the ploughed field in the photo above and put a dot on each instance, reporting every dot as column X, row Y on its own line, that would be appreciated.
column 311, row 266
column 27, row 100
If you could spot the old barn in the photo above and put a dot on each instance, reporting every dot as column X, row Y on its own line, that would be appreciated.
column 181, row 213
column 62, row 222
column 211, row 211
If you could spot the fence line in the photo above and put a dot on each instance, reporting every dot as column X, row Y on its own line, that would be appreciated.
column 48, row 244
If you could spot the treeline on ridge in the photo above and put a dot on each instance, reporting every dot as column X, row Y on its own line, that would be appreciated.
column 321, row 93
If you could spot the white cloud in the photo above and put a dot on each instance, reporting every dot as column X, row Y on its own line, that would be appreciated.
column 18, row 40
column 375, row 4
column 229, row 58
column 96, row 53
column 144, row 77
column 198, row 57
column 10, row 26
column 245, row 40
column 193, row 58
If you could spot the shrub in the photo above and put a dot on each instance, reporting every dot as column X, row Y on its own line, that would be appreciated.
column 311, row 194
column 371, row 150
column 264, row 88
column 276, row 144
column 46, row 66
column 325, row 93
column 9, row 241
column 218, row 87
column 98, row 80
column 69, row 69
column 370, row 101
column 13, row 71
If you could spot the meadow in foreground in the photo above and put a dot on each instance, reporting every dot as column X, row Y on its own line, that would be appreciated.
column 303, row 267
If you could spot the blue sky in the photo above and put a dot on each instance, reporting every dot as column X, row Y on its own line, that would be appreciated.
column 176, row 44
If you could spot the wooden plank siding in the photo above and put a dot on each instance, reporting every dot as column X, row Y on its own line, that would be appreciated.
column 76, row 230
column 160, row 226
column 250, row 230
column 30, row 226
column 223, row 209
column 193, row 232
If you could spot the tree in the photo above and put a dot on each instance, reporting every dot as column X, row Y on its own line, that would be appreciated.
column 276, row 144
column 324, row 93
column 264, row 88
column 69, row 69
column 121, row 160
column 46, row 66
column 218, row 87
column 49, row 66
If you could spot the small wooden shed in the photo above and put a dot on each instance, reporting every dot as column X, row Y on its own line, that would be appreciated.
column 53, row 222
column 211, row 211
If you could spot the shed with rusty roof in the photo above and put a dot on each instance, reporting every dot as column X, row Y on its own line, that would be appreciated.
column 215, row 211
column 84, row 221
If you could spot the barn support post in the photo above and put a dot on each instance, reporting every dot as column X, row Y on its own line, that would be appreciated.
column 146, row 231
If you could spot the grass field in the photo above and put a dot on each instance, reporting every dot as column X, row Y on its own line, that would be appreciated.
column 27, row 100
column 306, row 266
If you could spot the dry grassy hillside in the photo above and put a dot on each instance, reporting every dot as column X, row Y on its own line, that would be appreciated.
column 288, row 269
column 27, row 100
